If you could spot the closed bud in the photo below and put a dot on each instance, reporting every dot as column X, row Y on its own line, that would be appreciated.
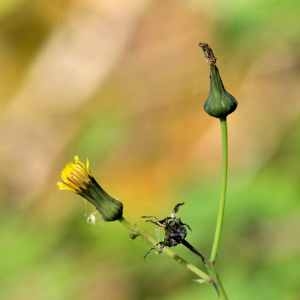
column 219, row 103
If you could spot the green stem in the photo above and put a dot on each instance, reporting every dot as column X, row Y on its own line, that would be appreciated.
column 223, row 294
column 212, row 271
column 218, row 282
column 220, row 217
column 167, row 251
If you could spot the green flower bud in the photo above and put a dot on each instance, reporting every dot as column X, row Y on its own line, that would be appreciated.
column 76, row 177
column 219, row 103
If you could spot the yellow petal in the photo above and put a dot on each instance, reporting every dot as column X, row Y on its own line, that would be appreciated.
column 75, row 175
column 62, row 186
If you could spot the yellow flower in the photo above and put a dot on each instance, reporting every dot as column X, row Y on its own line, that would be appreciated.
column 76, row 177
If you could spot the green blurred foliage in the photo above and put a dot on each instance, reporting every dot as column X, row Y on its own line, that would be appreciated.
column 71, row 259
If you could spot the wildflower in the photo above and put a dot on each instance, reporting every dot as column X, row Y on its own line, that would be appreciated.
column 76, row 177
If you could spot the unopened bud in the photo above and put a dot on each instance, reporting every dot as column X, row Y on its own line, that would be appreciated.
column 219, row 103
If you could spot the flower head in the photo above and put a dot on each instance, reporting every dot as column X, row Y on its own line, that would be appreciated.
column 76, row 177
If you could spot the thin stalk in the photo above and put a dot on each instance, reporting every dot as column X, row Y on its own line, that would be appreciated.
column 220, row 216
column 212, row 271
column 219, row 284
column 167, row 251
column 208, row 265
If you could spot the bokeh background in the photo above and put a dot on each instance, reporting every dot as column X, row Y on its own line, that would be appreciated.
column 123, row 83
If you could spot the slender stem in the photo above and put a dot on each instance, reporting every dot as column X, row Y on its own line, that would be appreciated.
column 221, row 289
column 212, row 271
column 167, row 251
column 220, row 217
column 208, row 265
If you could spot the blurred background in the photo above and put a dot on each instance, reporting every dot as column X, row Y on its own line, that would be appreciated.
column 123, row 83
